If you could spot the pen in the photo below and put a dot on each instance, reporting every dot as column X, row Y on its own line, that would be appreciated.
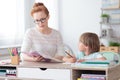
column 68, row 54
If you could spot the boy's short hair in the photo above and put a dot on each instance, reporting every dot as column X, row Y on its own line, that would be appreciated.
column 91, row 40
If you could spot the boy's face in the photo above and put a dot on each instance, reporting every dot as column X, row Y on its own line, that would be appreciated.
column 82, row 47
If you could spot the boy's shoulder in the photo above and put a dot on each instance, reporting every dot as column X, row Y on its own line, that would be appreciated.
column 96, row 53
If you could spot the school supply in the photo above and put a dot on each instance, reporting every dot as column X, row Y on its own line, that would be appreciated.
column 68, row 54
column 92, row 77
column 5, row 62
column 15, row 56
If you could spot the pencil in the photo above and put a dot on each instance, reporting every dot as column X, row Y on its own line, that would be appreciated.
column 68, row 54
column 9, row 52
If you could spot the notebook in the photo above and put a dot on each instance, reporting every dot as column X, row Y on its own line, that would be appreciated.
column 48, row 58
column 96, row 62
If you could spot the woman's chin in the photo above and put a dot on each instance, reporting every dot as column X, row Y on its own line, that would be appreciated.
column 41, row 27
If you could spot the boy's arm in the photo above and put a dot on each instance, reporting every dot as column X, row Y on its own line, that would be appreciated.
column 69, row 59
column 102, row 58
column 82, row 60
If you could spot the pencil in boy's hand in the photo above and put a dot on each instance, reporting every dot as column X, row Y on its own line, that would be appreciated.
column 68, row 54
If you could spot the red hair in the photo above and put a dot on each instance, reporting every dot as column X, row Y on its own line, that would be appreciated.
column 39, row 7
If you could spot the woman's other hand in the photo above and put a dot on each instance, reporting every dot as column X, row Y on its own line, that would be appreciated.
column 38, row 58
column 26, row 57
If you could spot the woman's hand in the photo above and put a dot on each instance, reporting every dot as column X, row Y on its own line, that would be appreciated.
column 32, row 58
column 38, row 58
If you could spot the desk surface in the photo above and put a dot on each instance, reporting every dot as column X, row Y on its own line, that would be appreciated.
column 54, row 65
column 57, row 66
column 45, row 65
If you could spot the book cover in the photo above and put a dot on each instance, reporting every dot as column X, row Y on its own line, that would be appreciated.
column 93, row 76
column 47, row 58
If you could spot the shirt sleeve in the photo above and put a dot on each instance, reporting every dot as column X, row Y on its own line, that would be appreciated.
column 79, row 55
column 98, row 55
column 93, row 56
column 60, row 46
column 27, row 43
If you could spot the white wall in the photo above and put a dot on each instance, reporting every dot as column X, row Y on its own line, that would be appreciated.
column 76, row 17
column 28, row 19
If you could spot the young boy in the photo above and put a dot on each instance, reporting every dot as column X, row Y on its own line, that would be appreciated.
column 89, row 45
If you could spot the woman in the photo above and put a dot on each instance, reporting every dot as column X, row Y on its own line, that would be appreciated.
column 41, row 39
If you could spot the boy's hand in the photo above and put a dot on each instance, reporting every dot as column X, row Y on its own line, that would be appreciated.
column 69, row 59
column 81, row 60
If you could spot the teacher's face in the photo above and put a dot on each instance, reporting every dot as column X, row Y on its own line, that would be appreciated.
column 41, row 20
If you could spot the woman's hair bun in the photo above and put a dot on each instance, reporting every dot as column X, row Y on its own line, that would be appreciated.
column 38, row 4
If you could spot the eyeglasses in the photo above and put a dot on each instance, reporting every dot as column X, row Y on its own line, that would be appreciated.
column 42, row 20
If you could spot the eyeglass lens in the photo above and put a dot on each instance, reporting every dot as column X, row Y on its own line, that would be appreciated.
column 42, row 20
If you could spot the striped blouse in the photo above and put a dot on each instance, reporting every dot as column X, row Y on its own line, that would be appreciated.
column 49, row 45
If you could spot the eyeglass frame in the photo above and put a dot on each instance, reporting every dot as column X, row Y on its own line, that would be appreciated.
column 42, row 20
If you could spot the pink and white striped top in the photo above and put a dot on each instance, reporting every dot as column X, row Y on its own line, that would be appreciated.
column 50, row 44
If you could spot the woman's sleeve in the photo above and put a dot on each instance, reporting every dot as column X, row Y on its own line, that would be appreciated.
column 60, row 45
column 27, row 43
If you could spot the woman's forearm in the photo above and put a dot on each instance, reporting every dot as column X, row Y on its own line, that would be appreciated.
column 25, row 57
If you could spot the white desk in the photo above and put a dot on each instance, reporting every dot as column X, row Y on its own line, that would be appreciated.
column 60, row 71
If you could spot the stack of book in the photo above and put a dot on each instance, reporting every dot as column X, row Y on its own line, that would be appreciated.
column 11, row 72
column 2, row 72
column 92, row 77
column 8, row 71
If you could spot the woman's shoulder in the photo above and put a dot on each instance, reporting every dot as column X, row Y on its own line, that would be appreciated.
column 55, row 32
column 31, row 30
